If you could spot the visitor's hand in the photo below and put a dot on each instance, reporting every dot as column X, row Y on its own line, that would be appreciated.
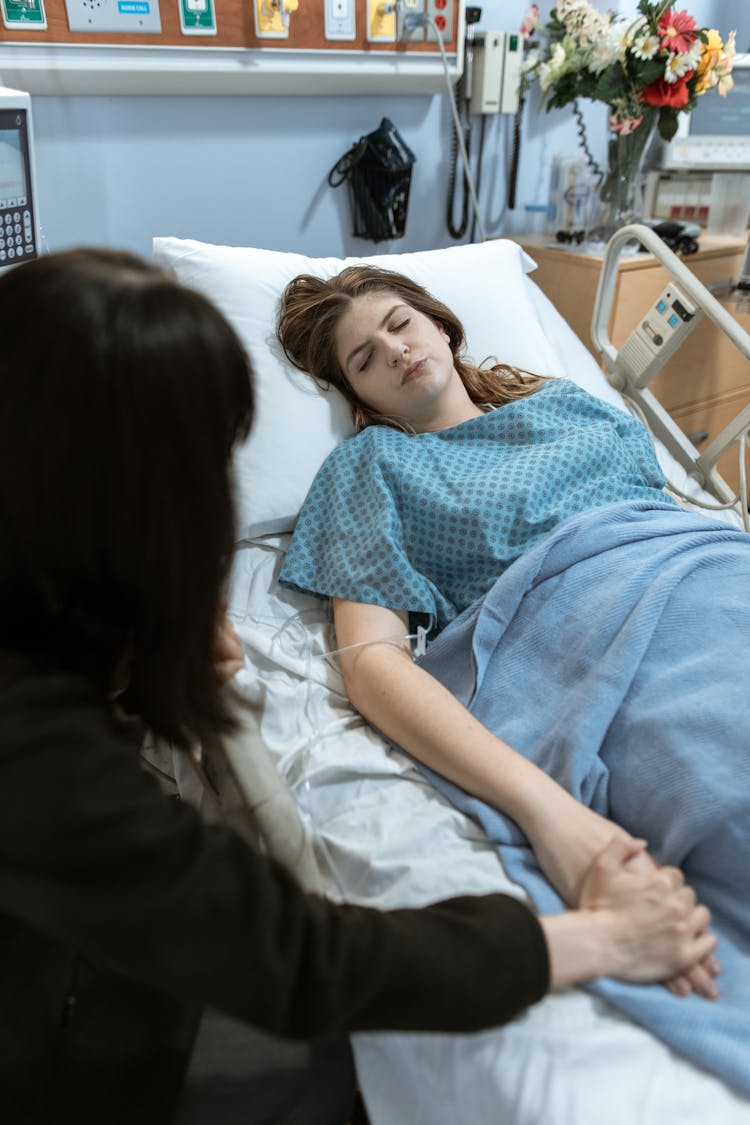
column 228, row 654
column 701, row 978
column 657, row 929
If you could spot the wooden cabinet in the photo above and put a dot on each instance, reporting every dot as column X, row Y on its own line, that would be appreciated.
column 707, row 381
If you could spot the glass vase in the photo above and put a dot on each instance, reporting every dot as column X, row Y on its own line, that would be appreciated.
column 620, row 194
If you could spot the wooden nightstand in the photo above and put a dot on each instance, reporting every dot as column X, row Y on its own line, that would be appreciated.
column 707, row 381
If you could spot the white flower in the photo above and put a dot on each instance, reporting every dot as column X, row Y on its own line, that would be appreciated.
column 581, row 21
column 531, row 62
column 607, row 49
column 635, row 30
column 676, row 66
column 694, row 54
column 645, row 46
column 554, row 67
column 545, row 77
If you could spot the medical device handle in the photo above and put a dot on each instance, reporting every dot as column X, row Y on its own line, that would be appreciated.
column 700, row 466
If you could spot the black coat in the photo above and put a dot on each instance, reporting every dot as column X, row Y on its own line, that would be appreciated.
column 122, row 914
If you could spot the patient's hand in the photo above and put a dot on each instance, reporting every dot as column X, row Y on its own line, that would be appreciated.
column 228, row 653
column 636, row 925
column 568, row 838
column 627, row 880
column 657, row 927
column 699, row 978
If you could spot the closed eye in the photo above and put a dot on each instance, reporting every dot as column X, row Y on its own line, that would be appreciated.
column 391, row 328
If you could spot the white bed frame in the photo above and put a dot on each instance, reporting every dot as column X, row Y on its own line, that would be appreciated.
column 700, row 466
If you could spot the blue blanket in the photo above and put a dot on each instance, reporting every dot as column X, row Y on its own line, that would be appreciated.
column 616, row 655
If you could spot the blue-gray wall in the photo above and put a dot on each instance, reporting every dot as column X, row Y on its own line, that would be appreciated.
column 252, row 171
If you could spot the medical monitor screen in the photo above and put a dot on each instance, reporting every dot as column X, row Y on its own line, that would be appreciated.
column 12, row 169
column 715, row 116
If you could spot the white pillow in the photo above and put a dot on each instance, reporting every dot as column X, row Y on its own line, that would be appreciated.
column 297, row 424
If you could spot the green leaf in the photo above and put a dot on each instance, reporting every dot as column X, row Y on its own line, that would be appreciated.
column 647, row 9
column 649, row 71
column 667, row 122
column 611, row 84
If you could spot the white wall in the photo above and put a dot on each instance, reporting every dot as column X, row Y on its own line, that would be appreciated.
column 252, row 171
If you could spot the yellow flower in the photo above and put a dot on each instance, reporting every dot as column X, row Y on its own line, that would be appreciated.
column 724, row 69
column 715, row 63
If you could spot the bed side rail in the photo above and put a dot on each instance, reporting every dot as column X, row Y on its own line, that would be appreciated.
column 700, row 466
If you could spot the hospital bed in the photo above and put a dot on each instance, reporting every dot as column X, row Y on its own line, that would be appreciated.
column 365, row 825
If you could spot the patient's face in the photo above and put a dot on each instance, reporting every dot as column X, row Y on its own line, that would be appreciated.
column 397, row 360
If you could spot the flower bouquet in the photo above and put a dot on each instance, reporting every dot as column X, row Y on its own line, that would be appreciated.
column 646, row 69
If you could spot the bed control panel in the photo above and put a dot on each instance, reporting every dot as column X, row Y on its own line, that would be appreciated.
column 657, row 337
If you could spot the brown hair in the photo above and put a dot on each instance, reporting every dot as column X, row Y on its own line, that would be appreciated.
column 311, row 308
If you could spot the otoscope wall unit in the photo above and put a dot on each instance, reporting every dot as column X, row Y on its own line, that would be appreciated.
column 196, row 47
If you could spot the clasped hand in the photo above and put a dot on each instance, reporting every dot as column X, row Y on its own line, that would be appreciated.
column 571, row 844
column 655, row 926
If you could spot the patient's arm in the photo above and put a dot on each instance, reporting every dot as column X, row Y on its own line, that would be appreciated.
column 416, row 711
column 411, row 707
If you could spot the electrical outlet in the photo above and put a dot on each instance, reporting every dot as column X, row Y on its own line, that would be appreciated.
column 24, row 15
column 442, row 13
column 197, row 17
column 381, row 23
column 126, row 16
column 269, row 20
column 410, row 34
column 339, row 19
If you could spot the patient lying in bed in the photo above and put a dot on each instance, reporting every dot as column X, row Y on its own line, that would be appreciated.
column 578, row 611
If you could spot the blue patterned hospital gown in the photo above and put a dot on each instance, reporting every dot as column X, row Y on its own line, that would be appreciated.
column 428, row 522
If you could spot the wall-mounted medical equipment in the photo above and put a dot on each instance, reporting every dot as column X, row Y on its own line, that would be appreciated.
column 490, row 85
column 139, row 17
column 18, row 223
column 497, row 72
column 716, row 135
column 377, row 171
column 261, row 46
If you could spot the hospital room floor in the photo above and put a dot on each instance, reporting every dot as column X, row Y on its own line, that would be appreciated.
column 240, row 1076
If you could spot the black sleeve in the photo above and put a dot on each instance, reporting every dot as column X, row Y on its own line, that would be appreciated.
column 92, row 853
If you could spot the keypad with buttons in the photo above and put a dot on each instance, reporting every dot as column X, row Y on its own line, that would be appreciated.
column 16, row 231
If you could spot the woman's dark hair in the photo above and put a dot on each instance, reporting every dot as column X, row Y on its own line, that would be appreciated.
column 121, row 396
column 311, row 308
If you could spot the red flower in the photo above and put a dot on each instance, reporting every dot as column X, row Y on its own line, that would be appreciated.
column 677, row 32
column 674, row 94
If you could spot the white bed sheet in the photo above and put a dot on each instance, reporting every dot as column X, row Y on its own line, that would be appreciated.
column 384, row 837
